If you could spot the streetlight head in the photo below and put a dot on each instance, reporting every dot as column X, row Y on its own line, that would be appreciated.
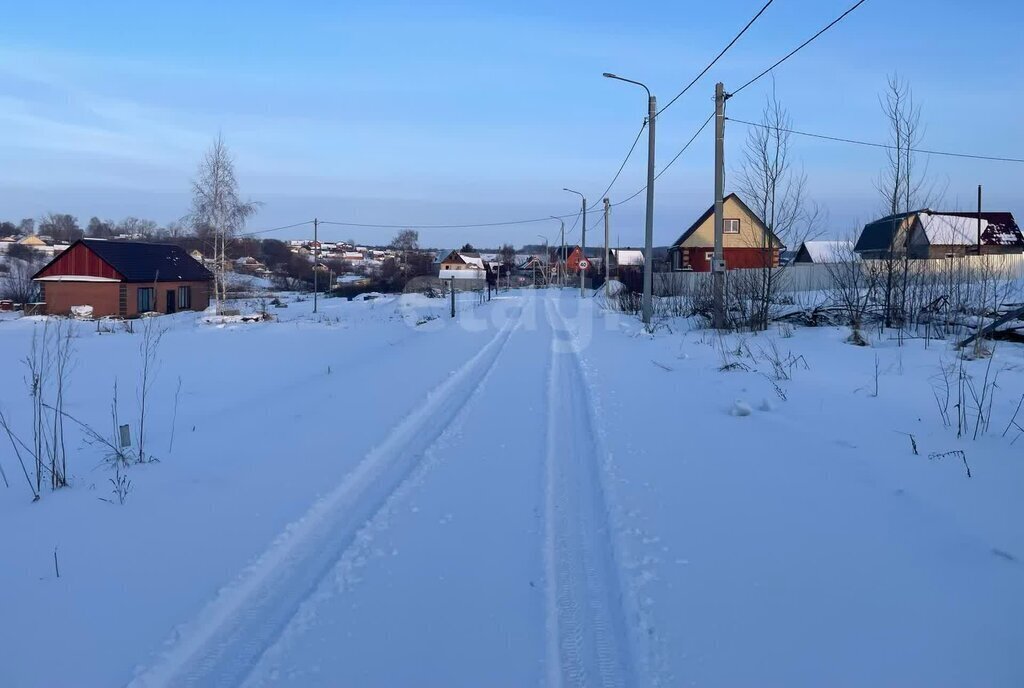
column 609, row 75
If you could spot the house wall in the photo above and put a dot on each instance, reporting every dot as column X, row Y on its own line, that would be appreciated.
column 750, row 235
column 457, row 265
column 105, row 297
column 803, row 256
column 82, row 262
column 61, row 296
column 572, row 261
column 735, row 258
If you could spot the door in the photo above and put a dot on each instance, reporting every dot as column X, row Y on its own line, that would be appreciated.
column 171, row 302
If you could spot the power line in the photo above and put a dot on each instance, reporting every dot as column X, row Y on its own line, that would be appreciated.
column 621, row 167
column 577, row 215
column 267, row 231
column 801, row 46
column 460, row 226
column 676, row 157
column 877, row 145
column 717, row 57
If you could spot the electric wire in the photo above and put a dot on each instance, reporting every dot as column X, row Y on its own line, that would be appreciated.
column 873, row 144
column 717, row 57
column 800, row 47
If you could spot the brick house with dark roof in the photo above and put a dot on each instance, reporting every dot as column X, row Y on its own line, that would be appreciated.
column 124, row 278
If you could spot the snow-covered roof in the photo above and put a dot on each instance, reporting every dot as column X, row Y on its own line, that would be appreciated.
column 473, row 260
column 950, row 230
column 828, row 251
column 628, row 256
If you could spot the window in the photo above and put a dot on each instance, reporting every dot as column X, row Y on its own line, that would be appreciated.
column 184, row 297
column 144, row 297
column 731, row 226
column 709, row 256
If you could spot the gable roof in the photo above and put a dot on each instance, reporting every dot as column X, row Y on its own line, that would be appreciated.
column 137, row 261
column 878, row 235
column 711, row 211
column 826, row 251
column 944, row 229
column 628, row 256
column 472, row 259
column 451, row 257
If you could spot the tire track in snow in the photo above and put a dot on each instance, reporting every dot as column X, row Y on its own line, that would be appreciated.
column 589, row 642
column 269, row 668
column 223, row 643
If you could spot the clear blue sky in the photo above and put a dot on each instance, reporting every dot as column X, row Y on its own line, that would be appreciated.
column 424, row 113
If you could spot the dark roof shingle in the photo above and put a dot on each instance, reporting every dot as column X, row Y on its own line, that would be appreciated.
column 144, row 262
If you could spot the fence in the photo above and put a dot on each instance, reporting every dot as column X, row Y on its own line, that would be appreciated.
column 804, row 277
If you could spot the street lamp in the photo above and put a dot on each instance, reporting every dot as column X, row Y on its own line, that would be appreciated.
column 561, row 279
column 583, row 248
column 652, row 111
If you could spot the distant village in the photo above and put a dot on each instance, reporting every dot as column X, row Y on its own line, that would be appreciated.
column 68, row 266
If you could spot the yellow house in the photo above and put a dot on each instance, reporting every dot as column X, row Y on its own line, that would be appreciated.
column 746, row 241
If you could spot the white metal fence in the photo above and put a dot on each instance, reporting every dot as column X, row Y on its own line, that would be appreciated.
column 802, row 277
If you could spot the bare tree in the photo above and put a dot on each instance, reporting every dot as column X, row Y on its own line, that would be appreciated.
column 136, row 228
column 216, row 205
column 406, row 240
column 60, row 227
column 776, row 192
column 904, row 187
column 100, row 229
column 507, row 255
column 854, row 284
column 17, row 284
column 149, row 349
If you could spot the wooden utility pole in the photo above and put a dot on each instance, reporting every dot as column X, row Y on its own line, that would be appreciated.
column 607, row 212
column 718, row 262
column 316, row 262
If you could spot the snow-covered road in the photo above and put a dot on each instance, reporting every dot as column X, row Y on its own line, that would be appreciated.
column 473, row 558
column 535, row 493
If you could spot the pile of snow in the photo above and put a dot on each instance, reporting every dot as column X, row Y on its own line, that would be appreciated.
column 82, row 312
column 241, row 281
column 741, row 408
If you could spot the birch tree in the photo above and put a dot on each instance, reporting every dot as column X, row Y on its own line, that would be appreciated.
column 776, row 191
column 903, row 186
column 216, row 205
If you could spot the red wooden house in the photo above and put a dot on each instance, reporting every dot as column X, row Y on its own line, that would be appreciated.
column 573, row 255
column 124, row 278
column 746, row 241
